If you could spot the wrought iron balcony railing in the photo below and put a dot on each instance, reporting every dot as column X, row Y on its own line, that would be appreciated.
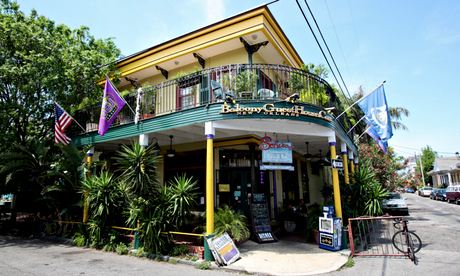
column 239, row 82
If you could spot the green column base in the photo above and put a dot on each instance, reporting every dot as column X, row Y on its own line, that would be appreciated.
column 207, row 252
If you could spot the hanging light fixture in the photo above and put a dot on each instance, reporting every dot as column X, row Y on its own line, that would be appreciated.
column 170, row 152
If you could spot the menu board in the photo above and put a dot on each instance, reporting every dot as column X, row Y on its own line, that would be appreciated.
column 223, row 249
column 261, row 220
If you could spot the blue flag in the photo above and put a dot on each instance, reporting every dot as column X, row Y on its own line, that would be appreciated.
column 383, row 145
column 376, row 113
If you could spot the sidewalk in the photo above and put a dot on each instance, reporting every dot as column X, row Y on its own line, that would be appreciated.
column 287, row 258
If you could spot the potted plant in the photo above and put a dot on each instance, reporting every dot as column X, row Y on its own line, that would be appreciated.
column 313, row 214
column 235, row 224
column 246, row 83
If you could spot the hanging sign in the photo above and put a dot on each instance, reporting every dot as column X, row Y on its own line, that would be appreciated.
column 337, row 164
column 275, row 152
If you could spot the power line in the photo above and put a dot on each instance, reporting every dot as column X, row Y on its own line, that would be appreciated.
column 337, row 36
column 327, row 47
column 319, row 45
column 417, row 149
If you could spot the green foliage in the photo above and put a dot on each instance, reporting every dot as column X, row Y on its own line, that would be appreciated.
column 310, row 91
column 140, row 252
column 182, row 193
column 138, row 168
column 111, row 245
column 204, row 265
column 350, row 262
column 427, row 161
column 41, row 61
column 105, row 198
column 246, row 81
column 122, row 249
column 383, row 166
column 364, row 195
column 179, row 250
column 227, row 220
column 79, row 240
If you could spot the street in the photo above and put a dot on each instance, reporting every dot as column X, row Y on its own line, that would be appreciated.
column 437, row 223
column 35, row 257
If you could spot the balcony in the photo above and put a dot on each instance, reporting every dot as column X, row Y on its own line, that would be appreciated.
column 235, row 82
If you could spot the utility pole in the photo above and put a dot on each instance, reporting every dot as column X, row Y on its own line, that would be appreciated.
column 421, row 168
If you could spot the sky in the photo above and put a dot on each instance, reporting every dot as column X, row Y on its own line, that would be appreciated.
column 413, row 45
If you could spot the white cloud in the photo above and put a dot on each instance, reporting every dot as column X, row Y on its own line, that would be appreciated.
column 215, row 10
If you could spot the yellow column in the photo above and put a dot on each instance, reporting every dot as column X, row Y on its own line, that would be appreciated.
column 352, row 164
column 210, row 184
column 335, row 182
column 89, row 162
column 343, row 148
column 209, row 132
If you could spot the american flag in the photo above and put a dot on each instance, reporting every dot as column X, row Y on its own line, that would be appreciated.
column 62, row 121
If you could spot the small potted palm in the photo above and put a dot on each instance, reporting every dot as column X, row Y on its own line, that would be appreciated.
column 246, row 84
column 235, row 224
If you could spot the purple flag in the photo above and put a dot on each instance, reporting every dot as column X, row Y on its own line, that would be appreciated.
column 112, row 103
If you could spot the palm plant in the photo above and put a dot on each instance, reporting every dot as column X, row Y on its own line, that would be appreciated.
column 227, row 220
column 105, row 198
column 138, row 167
column 182, row 195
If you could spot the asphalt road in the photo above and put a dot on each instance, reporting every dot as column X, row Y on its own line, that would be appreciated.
column 438, row 225
column 35, row 257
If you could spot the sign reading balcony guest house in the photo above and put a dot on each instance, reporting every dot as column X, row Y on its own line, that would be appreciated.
column 271, row 110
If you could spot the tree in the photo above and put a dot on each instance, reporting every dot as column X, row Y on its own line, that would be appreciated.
column 427, row 161
column 42, row 62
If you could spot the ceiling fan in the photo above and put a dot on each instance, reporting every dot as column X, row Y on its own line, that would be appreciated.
column 308, row 155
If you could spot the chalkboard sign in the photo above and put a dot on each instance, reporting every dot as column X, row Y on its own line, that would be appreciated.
column 261, row 219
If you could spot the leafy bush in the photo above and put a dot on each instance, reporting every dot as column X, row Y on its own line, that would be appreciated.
column 122, row 249
column 140, row 252
column 227, row 220
column 79, row 240
column 182, row 195
column 204, row 265
column 111, row 245
column 179, row 250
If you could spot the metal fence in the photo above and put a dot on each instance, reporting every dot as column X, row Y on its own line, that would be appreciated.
column 372, row 236
column 239, row 82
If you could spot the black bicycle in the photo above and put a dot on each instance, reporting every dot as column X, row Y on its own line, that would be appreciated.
column 406, row 241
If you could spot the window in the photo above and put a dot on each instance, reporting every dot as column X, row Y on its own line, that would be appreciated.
column 186, row 97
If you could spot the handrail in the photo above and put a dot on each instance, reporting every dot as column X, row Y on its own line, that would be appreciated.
column 240, row 82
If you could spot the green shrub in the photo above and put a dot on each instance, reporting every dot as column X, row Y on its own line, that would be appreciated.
column 179, row 250
column 204, row 265
column 227, row 220
column 140, row 252
column 111, row 245
column 122, row 249
column 79, row 240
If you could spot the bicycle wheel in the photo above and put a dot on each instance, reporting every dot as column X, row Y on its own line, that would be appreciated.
column 400, row 242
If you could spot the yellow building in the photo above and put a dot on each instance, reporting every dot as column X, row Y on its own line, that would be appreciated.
column 229, row 105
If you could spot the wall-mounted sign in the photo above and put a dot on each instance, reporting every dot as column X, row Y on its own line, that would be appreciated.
column 224, row 188
column 271, row 110
column 337, row 164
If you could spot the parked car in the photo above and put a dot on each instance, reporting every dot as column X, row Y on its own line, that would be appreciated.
column 410, row 190
column 440, row 194
column 395, row 205
column 453, row 194
column 425, row 191
column 433, row 193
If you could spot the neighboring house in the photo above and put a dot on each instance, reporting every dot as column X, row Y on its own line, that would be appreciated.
column 446, row 171
column 222, row 92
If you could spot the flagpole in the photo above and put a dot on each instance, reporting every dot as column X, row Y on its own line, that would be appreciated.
column 356, row 124
column 70, row 116
column 362, row 98
column 364, row 132
column 123, row 99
